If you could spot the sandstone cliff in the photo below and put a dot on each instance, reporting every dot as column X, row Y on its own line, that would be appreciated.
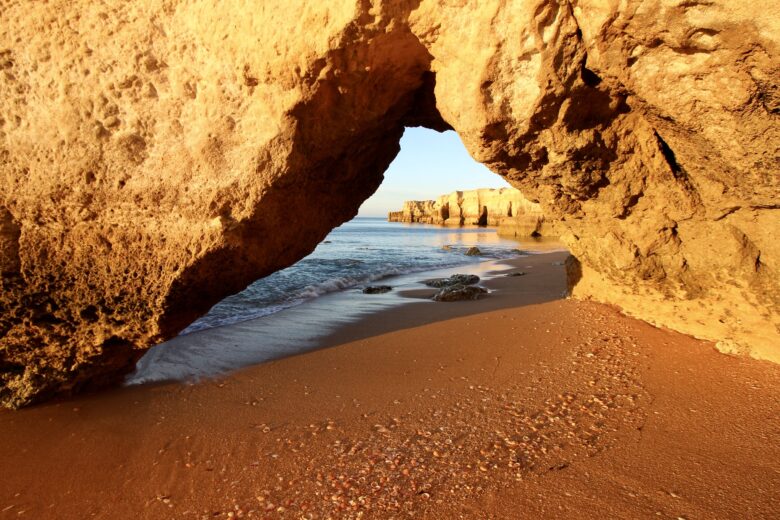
column 505, row 208
column 154, row 155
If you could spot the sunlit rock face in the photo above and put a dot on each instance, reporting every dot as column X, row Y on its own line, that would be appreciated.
column 504, row 208
column 157, row 156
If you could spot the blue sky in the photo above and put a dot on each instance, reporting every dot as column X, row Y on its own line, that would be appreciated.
column 429, row 164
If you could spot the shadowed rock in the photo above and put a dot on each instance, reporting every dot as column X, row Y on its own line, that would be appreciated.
column 377, row 289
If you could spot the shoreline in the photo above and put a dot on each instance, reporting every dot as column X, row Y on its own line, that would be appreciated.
column 527, row 246
column 326, row 320
column 520, row 404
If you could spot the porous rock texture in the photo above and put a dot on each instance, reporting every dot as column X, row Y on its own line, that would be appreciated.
column 156, row 156
column 505, row 208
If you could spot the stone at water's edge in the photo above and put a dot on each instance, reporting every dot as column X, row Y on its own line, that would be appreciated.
column 377, row 289
column 155, row 158
column 455, row 279
column 459, row 292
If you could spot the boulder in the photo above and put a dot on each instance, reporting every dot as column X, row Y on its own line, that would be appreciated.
column 456, row 279
column 459, row 292
column 377, row 289
column 473, row 251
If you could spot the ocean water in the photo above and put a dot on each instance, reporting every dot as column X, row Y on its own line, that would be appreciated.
column 360, row 252
column 290, row 311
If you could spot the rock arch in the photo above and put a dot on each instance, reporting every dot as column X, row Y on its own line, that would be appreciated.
column 152, row 165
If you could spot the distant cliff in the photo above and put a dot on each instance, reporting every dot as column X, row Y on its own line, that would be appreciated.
column 505, row 208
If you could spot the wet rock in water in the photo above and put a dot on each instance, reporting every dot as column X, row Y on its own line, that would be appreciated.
column 464, row 279
column 459, row 292
column 461, row 279
column 437, row 282
column 447, row 247
column 377, row 289
column 517, row 273
column 473, row 251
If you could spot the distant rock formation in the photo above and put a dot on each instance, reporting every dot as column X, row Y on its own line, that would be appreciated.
column 504, row 208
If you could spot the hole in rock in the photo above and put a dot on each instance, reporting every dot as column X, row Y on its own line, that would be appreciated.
column 429, row 164
column 301, row 307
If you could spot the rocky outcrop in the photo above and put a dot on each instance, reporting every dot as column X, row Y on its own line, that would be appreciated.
column 377, row 289
column 155, row 157
column 505, row 208
column 422, row 211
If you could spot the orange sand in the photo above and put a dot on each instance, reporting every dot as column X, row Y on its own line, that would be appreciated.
column 521, row 405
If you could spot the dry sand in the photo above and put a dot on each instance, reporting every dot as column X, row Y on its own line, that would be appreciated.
column 521, row 405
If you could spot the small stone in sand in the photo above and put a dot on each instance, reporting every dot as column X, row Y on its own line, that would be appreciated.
column 517, row 273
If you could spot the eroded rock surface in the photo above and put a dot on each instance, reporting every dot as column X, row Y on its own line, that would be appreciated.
column 505, row 208
column 156, row 157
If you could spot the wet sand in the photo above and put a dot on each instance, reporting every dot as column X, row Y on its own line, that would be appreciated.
column 521, row 405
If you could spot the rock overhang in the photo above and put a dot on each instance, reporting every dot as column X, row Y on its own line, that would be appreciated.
column 150, row 168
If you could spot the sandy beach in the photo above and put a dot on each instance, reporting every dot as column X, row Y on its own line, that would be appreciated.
column 520, row 405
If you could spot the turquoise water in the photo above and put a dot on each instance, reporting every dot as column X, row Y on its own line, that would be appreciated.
column 360, row 252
